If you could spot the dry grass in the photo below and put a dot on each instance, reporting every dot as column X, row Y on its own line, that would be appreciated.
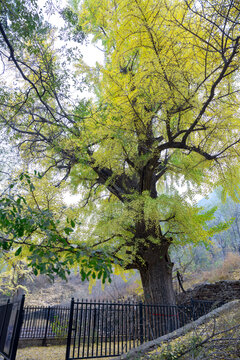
column 42, row 353
column 228, row 270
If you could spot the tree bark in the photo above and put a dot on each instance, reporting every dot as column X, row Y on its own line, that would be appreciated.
column 156, row 276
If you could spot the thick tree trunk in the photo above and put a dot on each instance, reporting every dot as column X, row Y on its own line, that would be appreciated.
column 156, row 276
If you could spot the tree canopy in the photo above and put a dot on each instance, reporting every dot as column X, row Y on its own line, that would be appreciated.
column 161, row 127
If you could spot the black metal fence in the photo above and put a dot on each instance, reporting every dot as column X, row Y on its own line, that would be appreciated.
column 45, row 322
column 103, row 329
column 202, row 307
column 11, row 316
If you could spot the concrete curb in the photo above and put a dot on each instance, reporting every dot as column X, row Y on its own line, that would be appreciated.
column 139, row 351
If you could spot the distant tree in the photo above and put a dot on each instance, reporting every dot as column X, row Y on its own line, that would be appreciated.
column 13, row 275
column 228, row 210
column 165, row 115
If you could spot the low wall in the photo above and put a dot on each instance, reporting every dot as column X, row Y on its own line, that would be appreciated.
column 22, row 343
column 220, row 291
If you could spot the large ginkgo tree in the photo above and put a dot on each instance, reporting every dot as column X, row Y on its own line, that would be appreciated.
column 161, row 127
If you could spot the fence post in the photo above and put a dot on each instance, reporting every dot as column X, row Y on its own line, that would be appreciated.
column 18, row 328
column 194, row 310
column 70, row 329
column 44, row 342
column 4, row 317
column 141, row 321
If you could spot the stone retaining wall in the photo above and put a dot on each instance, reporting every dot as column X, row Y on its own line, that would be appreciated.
column 220, row 291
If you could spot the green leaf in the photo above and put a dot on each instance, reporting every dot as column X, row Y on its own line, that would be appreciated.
column 18, row 252
column 35, row 271
column 68, row 230
column 20, row 231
